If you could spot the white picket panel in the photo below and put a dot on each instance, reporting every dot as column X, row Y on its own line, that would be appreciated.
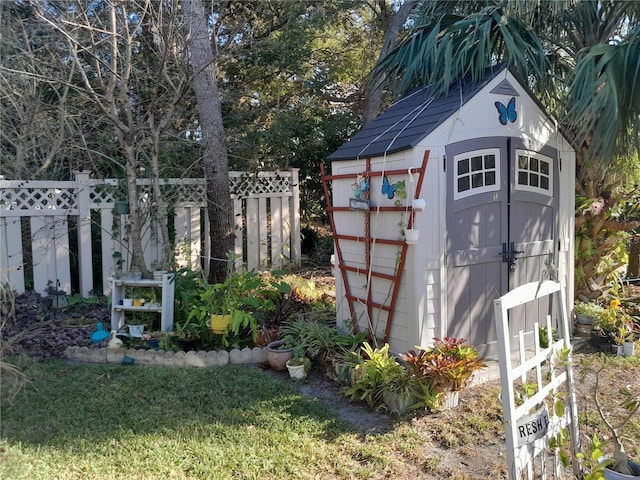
column 188, row 230
column 276, row 232
column 48, row 206
column 11, row 258
column 531, row 457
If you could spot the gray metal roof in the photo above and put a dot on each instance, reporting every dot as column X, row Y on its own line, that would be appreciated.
column 403, row 125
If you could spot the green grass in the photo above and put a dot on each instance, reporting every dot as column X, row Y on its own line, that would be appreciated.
column 99, row 422
column 112, row 422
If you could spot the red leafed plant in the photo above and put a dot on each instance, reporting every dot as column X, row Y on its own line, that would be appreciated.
column 449, row 363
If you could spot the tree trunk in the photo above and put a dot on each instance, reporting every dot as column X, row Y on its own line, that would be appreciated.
column 633, row 270
column 162, row 208
column 134, row 228
column 216, row 163
column 392, row 26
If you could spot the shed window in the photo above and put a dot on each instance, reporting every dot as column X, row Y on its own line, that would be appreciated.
column 534, row 173
column 476, row 172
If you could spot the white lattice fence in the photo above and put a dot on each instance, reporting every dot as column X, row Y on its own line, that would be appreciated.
column 37, row 219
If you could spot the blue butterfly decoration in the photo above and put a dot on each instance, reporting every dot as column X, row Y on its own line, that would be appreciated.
column 508, row 113
column 388, row 189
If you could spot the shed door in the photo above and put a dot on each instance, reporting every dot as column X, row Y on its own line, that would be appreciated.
column 501, row 232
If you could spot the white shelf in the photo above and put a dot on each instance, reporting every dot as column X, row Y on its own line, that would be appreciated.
column 118, row 308
column 165, row 309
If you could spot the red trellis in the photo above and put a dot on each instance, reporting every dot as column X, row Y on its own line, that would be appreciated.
column 338, row 238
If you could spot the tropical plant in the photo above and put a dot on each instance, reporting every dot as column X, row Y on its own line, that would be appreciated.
column 377, row 378
column 449, row 363
column 377, row 368
column 236, row 296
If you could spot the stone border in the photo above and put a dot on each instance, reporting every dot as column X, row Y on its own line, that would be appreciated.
column 202, row 359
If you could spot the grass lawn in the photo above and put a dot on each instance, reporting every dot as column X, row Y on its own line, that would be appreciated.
column 112, row 422
column 85, row 421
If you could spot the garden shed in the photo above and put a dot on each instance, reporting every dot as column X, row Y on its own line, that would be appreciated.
column 485, row 179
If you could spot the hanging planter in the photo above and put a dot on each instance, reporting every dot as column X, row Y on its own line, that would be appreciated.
column 121, row 207
column 411, row 236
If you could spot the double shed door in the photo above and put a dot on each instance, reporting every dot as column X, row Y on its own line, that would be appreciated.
column 502, row 224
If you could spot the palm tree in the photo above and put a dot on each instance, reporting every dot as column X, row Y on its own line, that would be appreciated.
column 581, row 59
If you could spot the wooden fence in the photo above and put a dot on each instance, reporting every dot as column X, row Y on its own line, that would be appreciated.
column 68, row 235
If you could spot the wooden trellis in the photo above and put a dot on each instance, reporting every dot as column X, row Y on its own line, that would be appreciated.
column 339, row 238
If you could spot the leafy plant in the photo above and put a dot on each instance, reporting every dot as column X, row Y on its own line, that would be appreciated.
column 288, row 343
column 449, row 363
column 382, row 382
column 588, row 309
column 319, row 339
column 239, row 296
column 299, row 357
column 615, row 323
column 378, row 368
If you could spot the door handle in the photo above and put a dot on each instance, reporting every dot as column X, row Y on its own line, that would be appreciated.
column 509, row 256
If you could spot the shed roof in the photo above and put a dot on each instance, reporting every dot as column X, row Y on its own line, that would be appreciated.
column 403, row 125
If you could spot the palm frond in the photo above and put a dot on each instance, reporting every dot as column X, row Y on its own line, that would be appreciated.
column 604, row 98
column 452, row 47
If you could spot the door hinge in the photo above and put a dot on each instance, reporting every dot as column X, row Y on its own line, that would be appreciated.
column 444, row 163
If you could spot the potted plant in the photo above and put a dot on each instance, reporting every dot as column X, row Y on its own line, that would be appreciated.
column 299, row 364
column 276, row 306
column 228, row 307
column 279, row 352
column 616, row 325
column 378, row 379
column 587, row 313
column 618, row 467
column 188, row 332
column 449, row 364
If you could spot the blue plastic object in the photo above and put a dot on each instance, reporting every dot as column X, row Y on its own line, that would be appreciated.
column 100, row 334
column 126, row 360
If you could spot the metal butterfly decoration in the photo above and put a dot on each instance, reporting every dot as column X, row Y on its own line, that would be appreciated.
column 388, row 189
column 508, row 113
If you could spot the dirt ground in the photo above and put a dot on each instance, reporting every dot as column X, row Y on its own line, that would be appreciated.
column 466, row 442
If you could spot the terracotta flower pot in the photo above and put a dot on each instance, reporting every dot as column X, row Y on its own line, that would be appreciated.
column 266, row 336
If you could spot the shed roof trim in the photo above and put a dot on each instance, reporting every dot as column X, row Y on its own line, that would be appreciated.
column 505, row 88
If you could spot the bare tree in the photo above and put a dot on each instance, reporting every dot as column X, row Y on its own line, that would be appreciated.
column 136, row 90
